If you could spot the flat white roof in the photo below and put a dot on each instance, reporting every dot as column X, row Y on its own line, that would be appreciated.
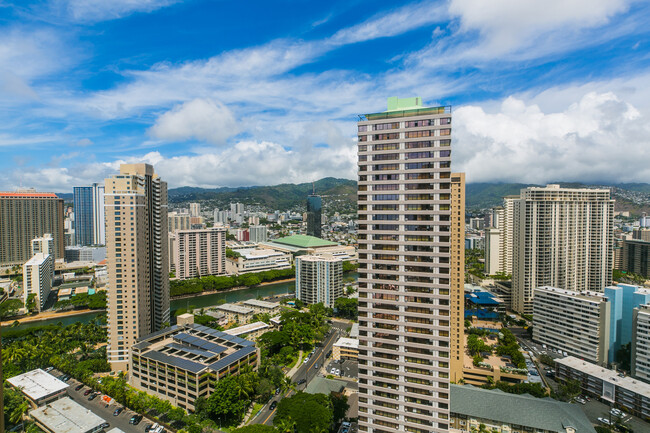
column 263, row 304
column 37, row 259
column 37, row 384
column 610, row 376
column 354, row 332
column 66, row 416
column 258, row 253
column 348, row 343
column 235, row 309
column 586, row 294
column 246, row 329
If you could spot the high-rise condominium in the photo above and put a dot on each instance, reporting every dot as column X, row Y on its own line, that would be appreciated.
column 137, row 255
column 89, row 224
column 25, row 216
column 314, row 218
column 410, row 244
column 198, row 253
column 562, row 237
column 319, row 279
column 195, row 209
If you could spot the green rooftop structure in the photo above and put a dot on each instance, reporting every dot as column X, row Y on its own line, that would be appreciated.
column 321, row 385
column 503, row 412
column 405, row 107
column 304, row 241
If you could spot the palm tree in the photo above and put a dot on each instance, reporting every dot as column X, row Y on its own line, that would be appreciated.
column 286, row 425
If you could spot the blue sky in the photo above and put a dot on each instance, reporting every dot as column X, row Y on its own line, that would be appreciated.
column 219, row 93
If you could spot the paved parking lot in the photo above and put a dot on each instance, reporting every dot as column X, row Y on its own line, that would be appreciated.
column 103, row 410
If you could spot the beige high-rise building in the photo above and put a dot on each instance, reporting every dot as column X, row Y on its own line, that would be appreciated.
column 198, row 253
column 137, row 256
column 178, row 221
column 562, row 237
column 25, row 216
column 319, row 279
column 195, row 209
column 38, row 274
column 410, row 208
column 457, row 274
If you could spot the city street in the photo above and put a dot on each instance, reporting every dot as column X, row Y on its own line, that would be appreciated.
column 306, row 371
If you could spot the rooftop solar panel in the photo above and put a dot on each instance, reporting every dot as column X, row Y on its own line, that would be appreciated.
column 227, row 360
column 184, row 364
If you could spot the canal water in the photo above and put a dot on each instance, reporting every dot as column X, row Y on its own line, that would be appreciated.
column 198, row 301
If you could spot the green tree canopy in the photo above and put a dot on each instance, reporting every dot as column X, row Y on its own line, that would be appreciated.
column 309, row 412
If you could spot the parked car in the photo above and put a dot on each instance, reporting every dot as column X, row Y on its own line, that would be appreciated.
column 135, row 419
column 617, row 412
column 333, row 370
column 328, row 354
column 581, row 400
column 338, row 372
column 88, row 391
column 48, row 369
column 92, row 397
column 118, row 411
column 105, row 425
column 273, row 405
column 305, row 361
column 147, row 428
column 78, row 387
column 277, row 391
column 604, row 421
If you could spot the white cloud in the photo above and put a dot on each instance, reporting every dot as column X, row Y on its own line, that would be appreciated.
column 102, row 10
column 400, row 21
column 598, row 138
column 199, row 119
column 509, row 24
column 84, row 142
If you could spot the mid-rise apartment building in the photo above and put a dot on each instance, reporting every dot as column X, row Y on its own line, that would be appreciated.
column 263, row 307
column 257, row 233
column 609, row 386
column 636, row 257
column 178, row 221
column 574, row 322
column 184, row 362
column 38, row 273
column 137, row 257
column 257, row 260
column 43, row 244
column 89, row 221
column 319, row 279
column 25, row 216
column 198, row 253
column 640, row 359
column 562, row 237
column 406, row 202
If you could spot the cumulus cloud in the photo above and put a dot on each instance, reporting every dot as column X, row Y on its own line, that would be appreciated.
column 508, row 24
column 199, row 119
column 598, row 138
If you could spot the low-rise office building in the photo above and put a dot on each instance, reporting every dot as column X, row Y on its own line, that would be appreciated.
column 38, row 274
column 263, row 307
column 39, row 387
column 627, row 393
column 183, row 363
column 502, row 412
column 257, row 260
column 640, row 359
column 66, row 416
column 346, row 348
column 236, row 313
column 575, row 322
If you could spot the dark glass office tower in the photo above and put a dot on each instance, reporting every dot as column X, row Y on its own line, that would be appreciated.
column 314, row 207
